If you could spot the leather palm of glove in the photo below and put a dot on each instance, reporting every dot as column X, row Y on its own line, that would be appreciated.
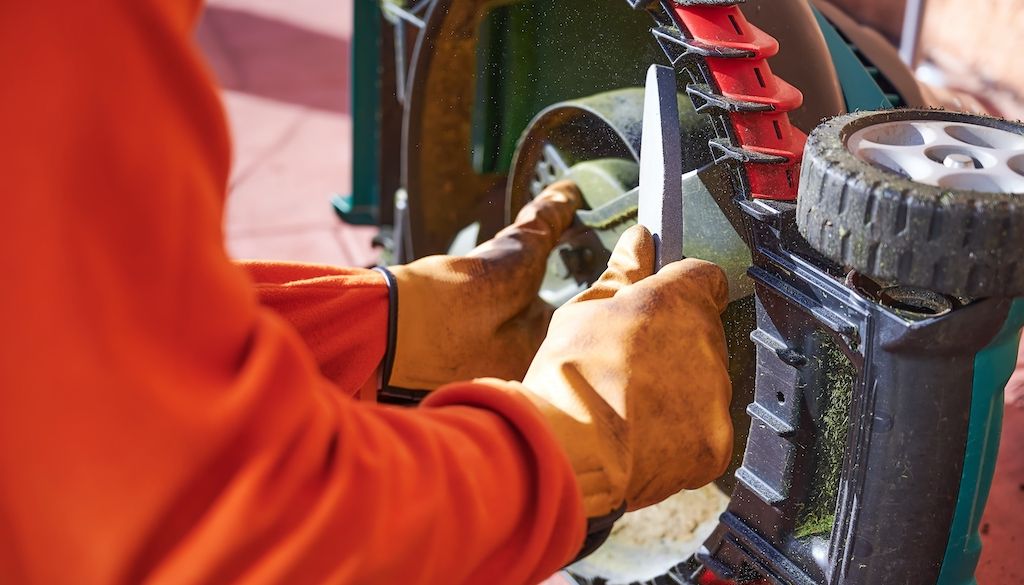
column 463, row 317
column 632, row 378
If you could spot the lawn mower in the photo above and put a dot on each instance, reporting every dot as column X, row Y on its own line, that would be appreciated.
column 872, row 244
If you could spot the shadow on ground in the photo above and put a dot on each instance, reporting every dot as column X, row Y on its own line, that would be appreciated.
column 276, row 59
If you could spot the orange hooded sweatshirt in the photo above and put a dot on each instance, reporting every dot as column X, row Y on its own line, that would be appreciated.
column 158, row 422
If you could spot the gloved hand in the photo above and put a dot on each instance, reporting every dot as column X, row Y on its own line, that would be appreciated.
column 463, row 317
column 632, row 378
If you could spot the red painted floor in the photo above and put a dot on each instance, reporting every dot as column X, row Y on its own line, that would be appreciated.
column 284, row 69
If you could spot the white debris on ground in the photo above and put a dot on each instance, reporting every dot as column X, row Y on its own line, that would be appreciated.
column 645, row 543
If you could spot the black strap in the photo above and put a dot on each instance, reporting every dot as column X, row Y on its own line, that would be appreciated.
column 598, row 530
column 389, row 353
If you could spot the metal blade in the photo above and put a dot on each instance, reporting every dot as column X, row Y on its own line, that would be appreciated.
column 661, row 187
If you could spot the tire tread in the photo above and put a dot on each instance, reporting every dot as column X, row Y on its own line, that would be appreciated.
column 962, row 243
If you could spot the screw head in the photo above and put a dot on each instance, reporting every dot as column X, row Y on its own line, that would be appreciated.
column 959, row 161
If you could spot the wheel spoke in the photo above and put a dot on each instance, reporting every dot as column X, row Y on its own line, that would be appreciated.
column 947, row 154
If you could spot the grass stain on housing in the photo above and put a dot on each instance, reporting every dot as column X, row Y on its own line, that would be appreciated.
column 838, row 376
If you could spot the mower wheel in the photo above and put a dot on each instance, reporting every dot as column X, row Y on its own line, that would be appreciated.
column 924, row 198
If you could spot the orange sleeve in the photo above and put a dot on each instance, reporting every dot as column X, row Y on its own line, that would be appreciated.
column 341, row 314
column 157, row 424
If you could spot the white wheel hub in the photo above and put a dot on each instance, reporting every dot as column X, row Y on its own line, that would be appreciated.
column 953, row 155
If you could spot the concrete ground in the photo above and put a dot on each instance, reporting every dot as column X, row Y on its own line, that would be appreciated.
column 283, row 66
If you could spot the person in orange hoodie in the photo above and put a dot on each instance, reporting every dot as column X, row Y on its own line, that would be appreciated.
column 168, row 416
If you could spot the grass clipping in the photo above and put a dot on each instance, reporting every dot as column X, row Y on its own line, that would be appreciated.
column 646, row 543
column 837, row 375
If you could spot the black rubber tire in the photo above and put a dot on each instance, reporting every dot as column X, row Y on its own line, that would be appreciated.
column 871, row 219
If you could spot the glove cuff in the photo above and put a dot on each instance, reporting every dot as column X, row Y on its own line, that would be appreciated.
column 386, row 392
column 598, row 530
column 388, row 362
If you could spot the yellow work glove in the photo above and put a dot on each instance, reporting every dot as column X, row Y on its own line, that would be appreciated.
column 632, row 378
column 463, row 317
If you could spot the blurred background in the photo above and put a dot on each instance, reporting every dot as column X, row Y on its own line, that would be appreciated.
column 284, row 70
column 973, row 46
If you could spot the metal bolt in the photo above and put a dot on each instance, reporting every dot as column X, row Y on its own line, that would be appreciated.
column 959, row 161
